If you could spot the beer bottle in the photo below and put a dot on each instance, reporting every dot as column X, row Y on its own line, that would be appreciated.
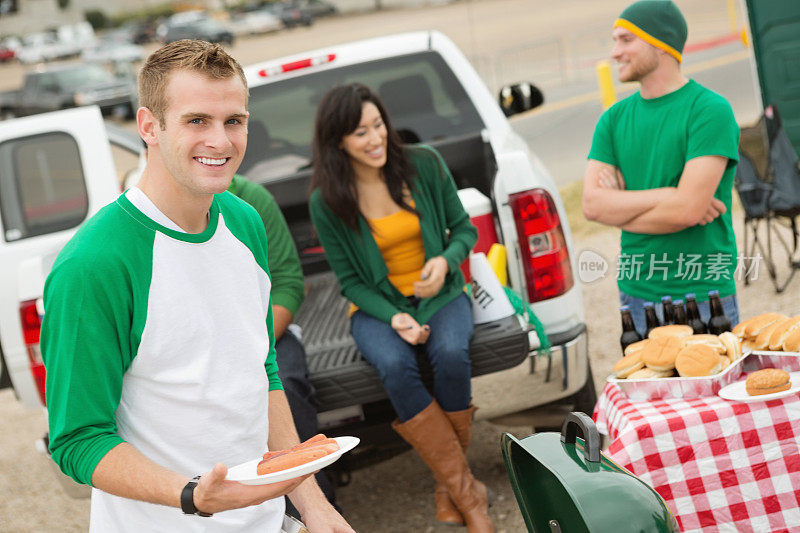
column 718, row 321
column 679, row 312
column 693, row 315
column 650, row 317
column 629, row 333
column 666, row 303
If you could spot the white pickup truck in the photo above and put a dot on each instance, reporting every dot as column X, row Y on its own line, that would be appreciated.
column 56, row 170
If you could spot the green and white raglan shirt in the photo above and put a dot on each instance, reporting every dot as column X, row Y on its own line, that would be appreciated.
column 164, row 340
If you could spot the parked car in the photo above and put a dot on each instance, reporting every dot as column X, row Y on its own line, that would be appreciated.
column 292, row 14
column 113, row 47
column 7, row 54
column 72, row 85
column 318, row 8
column 140, row 32
column 205, row 29
column 42, row 47
column 255, row 22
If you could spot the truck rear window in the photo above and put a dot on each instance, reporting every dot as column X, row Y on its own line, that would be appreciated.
column 424, row 99
column 42, row 188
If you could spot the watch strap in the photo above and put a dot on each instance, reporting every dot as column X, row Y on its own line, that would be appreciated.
column 187, row 498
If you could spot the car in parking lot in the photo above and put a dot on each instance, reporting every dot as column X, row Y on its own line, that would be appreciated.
column 318, row 8
column 71, row 85
column 6, row 54
column 292, row 14
column 255, row 22
column 205, row 29
column 113, row 46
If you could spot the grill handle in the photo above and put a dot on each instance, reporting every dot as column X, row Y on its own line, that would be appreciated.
column 591, row 438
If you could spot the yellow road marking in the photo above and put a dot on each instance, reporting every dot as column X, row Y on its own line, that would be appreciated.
column 628, row 87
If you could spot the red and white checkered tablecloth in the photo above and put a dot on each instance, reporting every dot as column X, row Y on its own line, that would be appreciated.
column 719, row 465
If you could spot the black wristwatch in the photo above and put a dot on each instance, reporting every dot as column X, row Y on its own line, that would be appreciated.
column 187, row 498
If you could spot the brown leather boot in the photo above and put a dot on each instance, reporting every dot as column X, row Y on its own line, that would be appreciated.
column 436, row 442
column 446, row 510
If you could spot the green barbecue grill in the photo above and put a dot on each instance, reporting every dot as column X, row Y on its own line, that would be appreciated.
column 564, row 484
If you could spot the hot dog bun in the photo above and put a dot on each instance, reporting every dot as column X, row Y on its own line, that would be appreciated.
column 761, row 341
column 756, row 324
column 733, row 346
column 780, row 333
column 792, row 341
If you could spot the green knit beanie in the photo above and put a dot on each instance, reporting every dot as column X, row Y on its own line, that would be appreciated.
column 658, row 22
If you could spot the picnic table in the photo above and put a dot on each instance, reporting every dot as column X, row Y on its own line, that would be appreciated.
column 719, row 465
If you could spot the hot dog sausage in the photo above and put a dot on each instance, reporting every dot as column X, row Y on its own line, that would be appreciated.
column 295, row 458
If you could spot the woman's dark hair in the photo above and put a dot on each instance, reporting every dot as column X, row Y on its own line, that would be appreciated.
column 338, row 115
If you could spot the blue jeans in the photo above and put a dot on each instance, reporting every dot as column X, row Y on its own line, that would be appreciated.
column 729, row 304
column 447, row 350
column 300, row 393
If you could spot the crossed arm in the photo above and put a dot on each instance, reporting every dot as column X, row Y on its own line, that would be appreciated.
column 654, row 211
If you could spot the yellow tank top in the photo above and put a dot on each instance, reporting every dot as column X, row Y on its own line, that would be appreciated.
column 399, row 238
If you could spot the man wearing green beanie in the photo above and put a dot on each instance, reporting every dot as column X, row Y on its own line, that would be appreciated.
column 661, row 168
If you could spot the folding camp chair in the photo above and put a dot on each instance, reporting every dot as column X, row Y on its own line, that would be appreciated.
column 768, row 184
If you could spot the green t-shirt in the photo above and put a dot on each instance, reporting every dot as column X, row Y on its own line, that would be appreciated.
column 650, row 141
column 284, row 263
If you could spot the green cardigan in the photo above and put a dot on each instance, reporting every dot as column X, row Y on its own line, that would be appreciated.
column 358, row 263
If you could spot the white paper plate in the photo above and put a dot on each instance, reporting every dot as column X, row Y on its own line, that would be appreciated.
column 737, row 392
column 246, row 472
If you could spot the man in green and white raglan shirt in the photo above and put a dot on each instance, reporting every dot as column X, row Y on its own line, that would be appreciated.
column 661, row 168
column 158, row 336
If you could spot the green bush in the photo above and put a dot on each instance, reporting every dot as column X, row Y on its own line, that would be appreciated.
column 96, row 18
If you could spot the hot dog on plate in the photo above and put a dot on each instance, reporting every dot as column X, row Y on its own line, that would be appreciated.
column 314, row 448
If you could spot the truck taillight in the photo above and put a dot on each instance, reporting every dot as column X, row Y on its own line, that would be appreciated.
column 31, row 326
column 544, row 251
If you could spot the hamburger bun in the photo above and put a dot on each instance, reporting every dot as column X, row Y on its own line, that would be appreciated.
column 780, row 333
column 733, row 346
column 724, row 362
column 792, row 341
column 660, row 353
column 756, row 324
column 635, row 347
column 761, row 341
column 707, row 339
column 674, row 330
column 627, row 365
column 696, row 361
column 747, row 345
column 767, row 381
column 649, row 373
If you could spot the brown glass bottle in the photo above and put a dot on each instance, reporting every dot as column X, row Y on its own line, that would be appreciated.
column 693, row 315
column 629, row 333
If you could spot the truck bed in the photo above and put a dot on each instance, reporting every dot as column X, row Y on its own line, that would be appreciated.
column 343, row 378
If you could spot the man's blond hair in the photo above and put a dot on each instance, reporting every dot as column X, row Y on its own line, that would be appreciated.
column 187, row 54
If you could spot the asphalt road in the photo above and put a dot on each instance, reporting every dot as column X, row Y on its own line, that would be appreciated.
column 552, row 44
column 561, row 131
